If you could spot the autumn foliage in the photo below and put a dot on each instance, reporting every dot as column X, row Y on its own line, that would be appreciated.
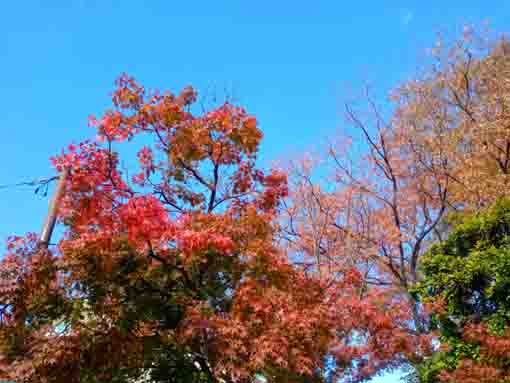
column 192, row 264
column 378, row 197
column 172, row 268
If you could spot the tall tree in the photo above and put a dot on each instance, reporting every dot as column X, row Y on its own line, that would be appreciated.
column 172, row 269
column 174, row 273
column 443, row 146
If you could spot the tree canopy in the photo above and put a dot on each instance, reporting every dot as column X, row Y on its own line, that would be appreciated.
column 173, row 268
column 466, row 281
column 193, row 264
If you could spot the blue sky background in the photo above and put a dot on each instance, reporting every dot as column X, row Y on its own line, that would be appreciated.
column 291, row 63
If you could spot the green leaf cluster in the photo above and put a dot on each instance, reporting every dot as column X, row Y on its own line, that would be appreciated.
column 470, row 273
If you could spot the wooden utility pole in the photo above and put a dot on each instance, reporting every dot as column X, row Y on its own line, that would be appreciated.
column 51, row 217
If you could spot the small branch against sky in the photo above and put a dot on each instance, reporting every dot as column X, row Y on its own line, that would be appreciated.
column 40, row 184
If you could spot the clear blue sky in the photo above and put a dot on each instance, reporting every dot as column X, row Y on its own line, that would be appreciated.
column 287, row 61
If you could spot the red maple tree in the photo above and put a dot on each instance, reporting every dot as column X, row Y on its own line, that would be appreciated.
column 174, row 268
